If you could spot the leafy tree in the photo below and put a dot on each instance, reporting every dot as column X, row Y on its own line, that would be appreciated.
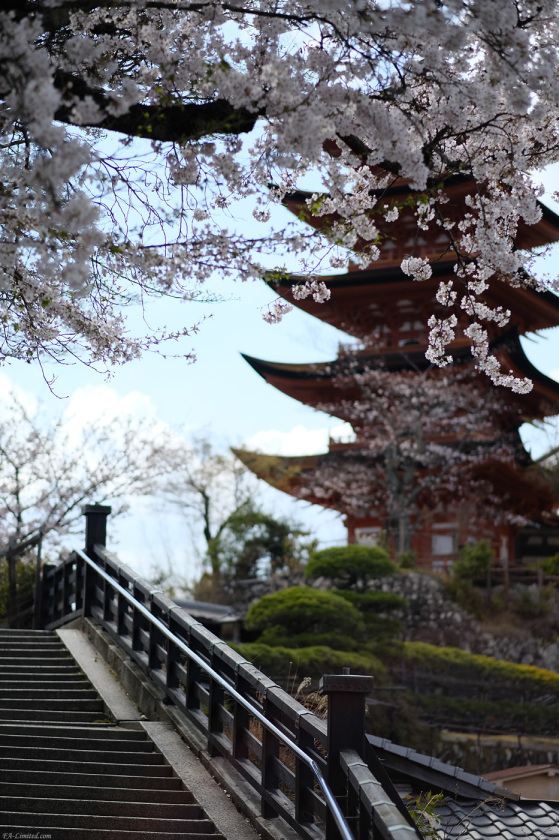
column 218, row 497
column 253, row 543
column 475, row 562
column 350, row 566
column 212, row 489
column 303, row 617
column 127, row 130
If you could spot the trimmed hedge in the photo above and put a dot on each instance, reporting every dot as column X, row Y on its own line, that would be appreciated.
column 504, row 716
column 293, row 616
column 456, row 663
column 350, row 565
column 279, row 662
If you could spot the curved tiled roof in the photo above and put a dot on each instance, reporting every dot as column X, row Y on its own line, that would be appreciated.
column 473, row 808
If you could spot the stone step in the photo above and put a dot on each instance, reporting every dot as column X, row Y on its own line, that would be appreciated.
column 72, row 683
column 34, row 715
column 51, row 649
column 16, row 831
column 60, row 693
column 110, row 731
column 100, row 779
column 26, row 647
column 53, row 704
column 82, row 756
column 35, row 661
column 31, row 662
column 101, row 807
column 35, row 635
column 60, row 765
column 18, row 742
column 54, row 820
column 39, row 676
column 120, row 795
column 67, row 772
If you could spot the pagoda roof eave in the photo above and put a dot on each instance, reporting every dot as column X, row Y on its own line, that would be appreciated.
column 283, row 472
column 526, row 490
column 539, row 309
column 548, row 224
column 454, row 181
column 314, row 383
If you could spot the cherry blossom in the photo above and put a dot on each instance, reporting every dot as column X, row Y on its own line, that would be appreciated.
column 129, row 132
column 423, row 442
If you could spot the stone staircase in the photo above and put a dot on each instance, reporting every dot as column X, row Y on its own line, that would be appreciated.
column 66, row 771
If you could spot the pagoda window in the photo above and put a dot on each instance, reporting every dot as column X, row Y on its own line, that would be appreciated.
column 367, row 536
column 442, row 544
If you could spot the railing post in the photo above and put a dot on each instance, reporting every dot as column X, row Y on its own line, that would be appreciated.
column 346, row 730
column 95, row 534
column 95, row 526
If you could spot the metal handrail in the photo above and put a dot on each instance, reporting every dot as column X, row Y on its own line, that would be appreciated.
column 337, row 815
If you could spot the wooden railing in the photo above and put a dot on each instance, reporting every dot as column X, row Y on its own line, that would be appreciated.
column 310, row 773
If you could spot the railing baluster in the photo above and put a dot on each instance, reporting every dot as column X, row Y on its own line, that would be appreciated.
column 270, row 752
column 215, row 701
column 304, row 778
column 241, row 719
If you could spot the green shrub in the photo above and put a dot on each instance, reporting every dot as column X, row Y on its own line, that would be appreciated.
column 407, row 559
column 456, row 663
column 280, row 662
column 371, row 605
column 350, row 566
column 276, row 637
column 531, row 604
column 373, row 602
column 469, row 597
column 303, row 613
column 475, row 561
column 550, row 566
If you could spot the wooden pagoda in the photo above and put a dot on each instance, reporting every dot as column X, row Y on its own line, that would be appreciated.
column 386, row 312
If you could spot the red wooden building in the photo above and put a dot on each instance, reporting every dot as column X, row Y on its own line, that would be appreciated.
column 493, row 489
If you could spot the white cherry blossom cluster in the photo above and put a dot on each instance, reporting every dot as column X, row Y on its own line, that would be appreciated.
column 441, row 334
column 490, row 365
column 479, row 310
column 276, row 312
column 317, row 288
column 418, row 268
column 446, row 295
column 130, row 134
